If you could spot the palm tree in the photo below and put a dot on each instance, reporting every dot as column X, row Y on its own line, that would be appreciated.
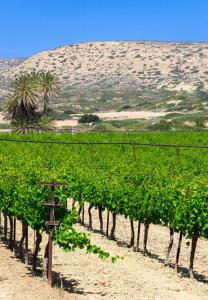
column 49, row 85
column 22, row 101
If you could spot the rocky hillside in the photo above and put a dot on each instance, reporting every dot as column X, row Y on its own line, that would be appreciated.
column 110, row 75
column 6, row 64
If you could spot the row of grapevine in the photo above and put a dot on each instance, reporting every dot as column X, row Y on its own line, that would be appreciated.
column 164, row 186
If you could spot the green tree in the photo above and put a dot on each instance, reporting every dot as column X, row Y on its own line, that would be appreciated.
column 48, row 85
column 22, row 104
column 23, row 99
column 89, row 118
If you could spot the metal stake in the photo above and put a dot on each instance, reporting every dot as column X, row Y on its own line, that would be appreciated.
column 51, row 224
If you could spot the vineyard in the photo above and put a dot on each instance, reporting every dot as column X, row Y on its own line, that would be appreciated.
column 116, row 174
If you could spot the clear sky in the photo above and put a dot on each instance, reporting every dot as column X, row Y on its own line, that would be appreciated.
column 30, row 26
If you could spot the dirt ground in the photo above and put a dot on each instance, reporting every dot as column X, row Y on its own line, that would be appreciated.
column 123, row 115
column 84, row 276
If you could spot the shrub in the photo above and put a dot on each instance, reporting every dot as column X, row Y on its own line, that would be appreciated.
column 89, row 118
column 100, row 128
column 69, row 112
column 117, row 124
column 126, row 107
column 199, row 123
column 162, row 125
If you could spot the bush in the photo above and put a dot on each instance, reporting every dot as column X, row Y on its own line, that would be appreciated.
column 199, row 123
column 126, row 107
column 69, row 112
column 117, row 124
column 89, row 118
column 56, row 115
column 100, row 128
column 162, row 125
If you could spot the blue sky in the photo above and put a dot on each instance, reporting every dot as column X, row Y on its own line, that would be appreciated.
column 30, row 26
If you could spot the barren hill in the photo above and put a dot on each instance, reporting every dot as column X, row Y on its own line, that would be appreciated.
column 6, row 64
column 112, row 75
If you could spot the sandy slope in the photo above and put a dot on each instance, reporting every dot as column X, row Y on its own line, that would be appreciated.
column 130, row 115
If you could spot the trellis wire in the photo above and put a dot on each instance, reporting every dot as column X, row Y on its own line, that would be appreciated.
column 106, row 143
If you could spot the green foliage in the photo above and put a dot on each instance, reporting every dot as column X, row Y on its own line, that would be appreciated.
column 22, row 101
column 89, row 118
column 199, row 123
column 100, row 128
column 36, row 124
column 59, row 115
column 156, row 185
column 162, row 125
column 48, row 85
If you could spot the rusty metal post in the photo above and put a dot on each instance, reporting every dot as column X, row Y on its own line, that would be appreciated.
column 50, row 244
column 178, row 155
column 52, row 204
column 50, row 250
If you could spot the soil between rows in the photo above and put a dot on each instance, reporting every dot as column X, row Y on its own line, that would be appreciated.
column 84, row 276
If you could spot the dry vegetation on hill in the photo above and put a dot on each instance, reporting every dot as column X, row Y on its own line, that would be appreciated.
column 139, row 64
column 122, row 76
